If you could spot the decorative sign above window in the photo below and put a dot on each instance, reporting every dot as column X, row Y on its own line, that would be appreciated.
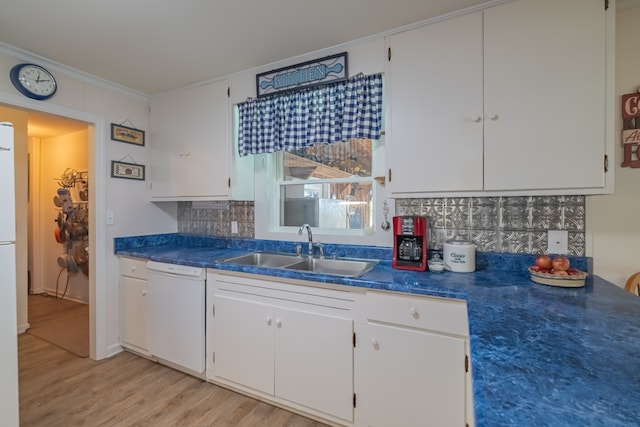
column 311, row 73
column 631, row 130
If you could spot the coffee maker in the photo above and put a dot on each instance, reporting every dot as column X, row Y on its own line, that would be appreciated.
column 410, row 243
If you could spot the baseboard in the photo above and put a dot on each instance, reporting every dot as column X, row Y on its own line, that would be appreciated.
column 112, row 350
column 23, row 328
column 52, row 294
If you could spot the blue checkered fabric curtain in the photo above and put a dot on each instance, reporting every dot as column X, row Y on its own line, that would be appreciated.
column 333, row 113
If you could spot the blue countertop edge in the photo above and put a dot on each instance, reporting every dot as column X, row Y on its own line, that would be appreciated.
column 541, row 355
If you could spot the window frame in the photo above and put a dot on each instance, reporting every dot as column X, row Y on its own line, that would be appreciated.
column 267, row 202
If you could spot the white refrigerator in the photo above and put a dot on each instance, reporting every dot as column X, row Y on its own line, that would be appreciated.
column 9, row 407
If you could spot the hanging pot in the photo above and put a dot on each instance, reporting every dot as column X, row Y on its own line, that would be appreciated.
column 60, row 235
column 66, row 261
column 81, row 253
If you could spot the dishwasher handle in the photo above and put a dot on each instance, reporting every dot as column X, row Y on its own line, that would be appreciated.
column 175, row 269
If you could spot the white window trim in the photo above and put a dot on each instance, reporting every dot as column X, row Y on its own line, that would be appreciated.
column 266, row 208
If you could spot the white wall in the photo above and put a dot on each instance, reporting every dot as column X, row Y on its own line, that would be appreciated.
column 614, row 220
column 99, row 104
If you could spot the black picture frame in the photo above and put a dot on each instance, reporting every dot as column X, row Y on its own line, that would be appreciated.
column 127, row 170
column 126, row 134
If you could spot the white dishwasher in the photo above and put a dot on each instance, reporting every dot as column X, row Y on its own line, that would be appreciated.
column 176, row 314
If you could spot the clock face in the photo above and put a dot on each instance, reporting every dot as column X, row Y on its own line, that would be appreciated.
column 33, row 81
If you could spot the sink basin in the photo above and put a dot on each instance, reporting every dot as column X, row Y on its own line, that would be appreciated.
column 336, row 267
column 265, row 259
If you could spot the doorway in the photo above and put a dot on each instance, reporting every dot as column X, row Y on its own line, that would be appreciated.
column 58, row 230
column 32, row 234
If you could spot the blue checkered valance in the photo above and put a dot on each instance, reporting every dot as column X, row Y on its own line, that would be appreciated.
column 333, row 113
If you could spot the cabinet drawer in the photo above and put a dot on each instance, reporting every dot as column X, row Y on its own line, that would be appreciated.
column 435, row 314
column 133, row 267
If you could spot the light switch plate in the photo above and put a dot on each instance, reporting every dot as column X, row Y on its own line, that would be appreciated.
column 109, row 218
column 557, row 241
column 234, row 227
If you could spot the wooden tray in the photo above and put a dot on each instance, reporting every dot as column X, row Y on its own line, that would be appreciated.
column 574, row 281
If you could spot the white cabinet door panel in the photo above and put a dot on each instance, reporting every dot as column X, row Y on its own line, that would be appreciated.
column 244, row 343
column 208, row 172
column 133, row 299
column 314, row 361
column 545, row 81
column 190, row 146
column 435, row 93
column 415, row 378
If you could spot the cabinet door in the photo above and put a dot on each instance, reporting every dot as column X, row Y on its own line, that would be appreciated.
column 415, row 378
column 190, row 144
column 544, row 95
column 244, row 343
column 435, row 95
column 133, row 302
column 166, row 141
column 207, row 141
column 314, row 361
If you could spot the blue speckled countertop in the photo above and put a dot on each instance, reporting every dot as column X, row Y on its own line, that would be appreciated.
column 541, row 355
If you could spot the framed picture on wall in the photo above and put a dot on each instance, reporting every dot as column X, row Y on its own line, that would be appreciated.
column 127, row 134
column 127, row 170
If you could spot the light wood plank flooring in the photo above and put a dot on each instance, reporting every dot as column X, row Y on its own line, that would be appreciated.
column 59, row 389
column 61, row 322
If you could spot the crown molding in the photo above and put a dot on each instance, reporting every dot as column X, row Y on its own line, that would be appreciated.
column 26, row 56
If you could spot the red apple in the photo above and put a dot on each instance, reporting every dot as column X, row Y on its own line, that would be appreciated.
column 544, row 262
column 560, row 263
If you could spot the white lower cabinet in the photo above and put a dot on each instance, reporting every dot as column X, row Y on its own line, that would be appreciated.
column 416, row 362
column 289, row 344
column 133, row 304
column 352, row 357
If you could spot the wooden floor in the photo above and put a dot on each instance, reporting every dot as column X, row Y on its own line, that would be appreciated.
column 61, row 322
column 44, row 309
column 59, row 389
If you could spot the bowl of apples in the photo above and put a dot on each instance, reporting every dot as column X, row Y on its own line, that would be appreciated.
column 556, row 271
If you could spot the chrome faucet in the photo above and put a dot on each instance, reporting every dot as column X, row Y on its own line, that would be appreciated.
column 308, row 227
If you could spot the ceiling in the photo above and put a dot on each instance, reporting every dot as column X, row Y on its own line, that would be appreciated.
column 151, row 46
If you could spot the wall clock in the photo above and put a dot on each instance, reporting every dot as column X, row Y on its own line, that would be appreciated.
column 33, row 81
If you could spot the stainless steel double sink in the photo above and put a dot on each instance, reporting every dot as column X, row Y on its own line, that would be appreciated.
column 336, row 267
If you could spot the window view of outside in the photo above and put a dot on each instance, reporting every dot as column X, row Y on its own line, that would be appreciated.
column 328, row 186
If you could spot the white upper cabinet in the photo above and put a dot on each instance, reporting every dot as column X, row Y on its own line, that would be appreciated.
column 192, row 146
column 544, row 81
column 435, row 91
column 507, row 100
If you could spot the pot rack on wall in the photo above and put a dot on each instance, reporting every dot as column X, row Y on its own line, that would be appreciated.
column 72, row 220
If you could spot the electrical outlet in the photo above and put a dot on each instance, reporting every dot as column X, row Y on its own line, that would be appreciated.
column 557, row 241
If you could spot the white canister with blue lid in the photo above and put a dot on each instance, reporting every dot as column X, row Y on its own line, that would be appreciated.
column 459, row 255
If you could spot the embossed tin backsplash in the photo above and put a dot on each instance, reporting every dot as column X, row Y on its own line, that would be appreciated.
column 215, row 218
column 494, row 224
column 503, row 224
